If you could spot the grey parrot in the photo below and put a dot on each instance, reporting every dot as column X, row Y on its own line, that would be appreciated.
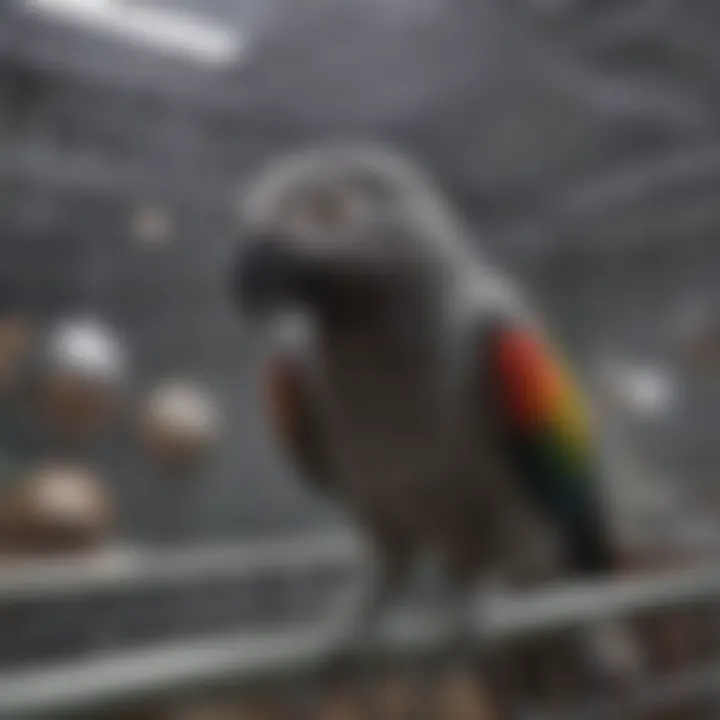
column 421, row 391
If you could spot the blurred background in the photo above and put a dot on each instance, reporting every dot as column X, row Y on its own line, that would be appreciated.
column 579, row 137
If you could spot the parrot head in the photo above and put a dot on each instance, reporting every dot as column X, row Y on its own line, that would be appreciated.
column 337, row 225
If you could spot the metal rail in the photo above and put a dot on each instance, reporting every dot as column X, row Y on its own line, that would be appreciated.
column 568, row 606
column 80, row 688
column 249, row 660
column 127, row 570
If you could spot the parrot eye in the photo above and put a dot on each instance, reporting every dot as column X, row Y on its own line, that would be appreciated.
column 331, row 209
column 328, row 211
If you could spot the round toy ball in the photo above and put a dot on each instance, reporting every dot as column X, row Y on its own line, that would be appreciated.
column 82, row 380
column 58, row 508
column 180, row 425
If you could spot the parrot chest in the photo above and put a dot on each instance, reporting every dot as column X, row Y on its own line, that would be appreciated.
column 386, row 419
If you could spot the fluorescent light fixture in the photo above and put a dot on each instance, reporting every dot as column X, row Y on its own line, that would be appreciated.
column 161, row 29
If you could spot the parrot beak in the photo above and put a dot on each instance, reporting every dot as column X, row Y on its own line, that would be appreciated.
column 266, row 273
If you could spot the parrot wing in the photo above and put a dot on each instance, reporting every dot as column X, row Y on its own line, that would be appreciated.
column 540, row 424
column 289, row 404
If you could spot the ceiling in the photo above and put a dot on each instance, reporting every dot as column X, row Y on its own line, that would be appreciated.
column 526, row 107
